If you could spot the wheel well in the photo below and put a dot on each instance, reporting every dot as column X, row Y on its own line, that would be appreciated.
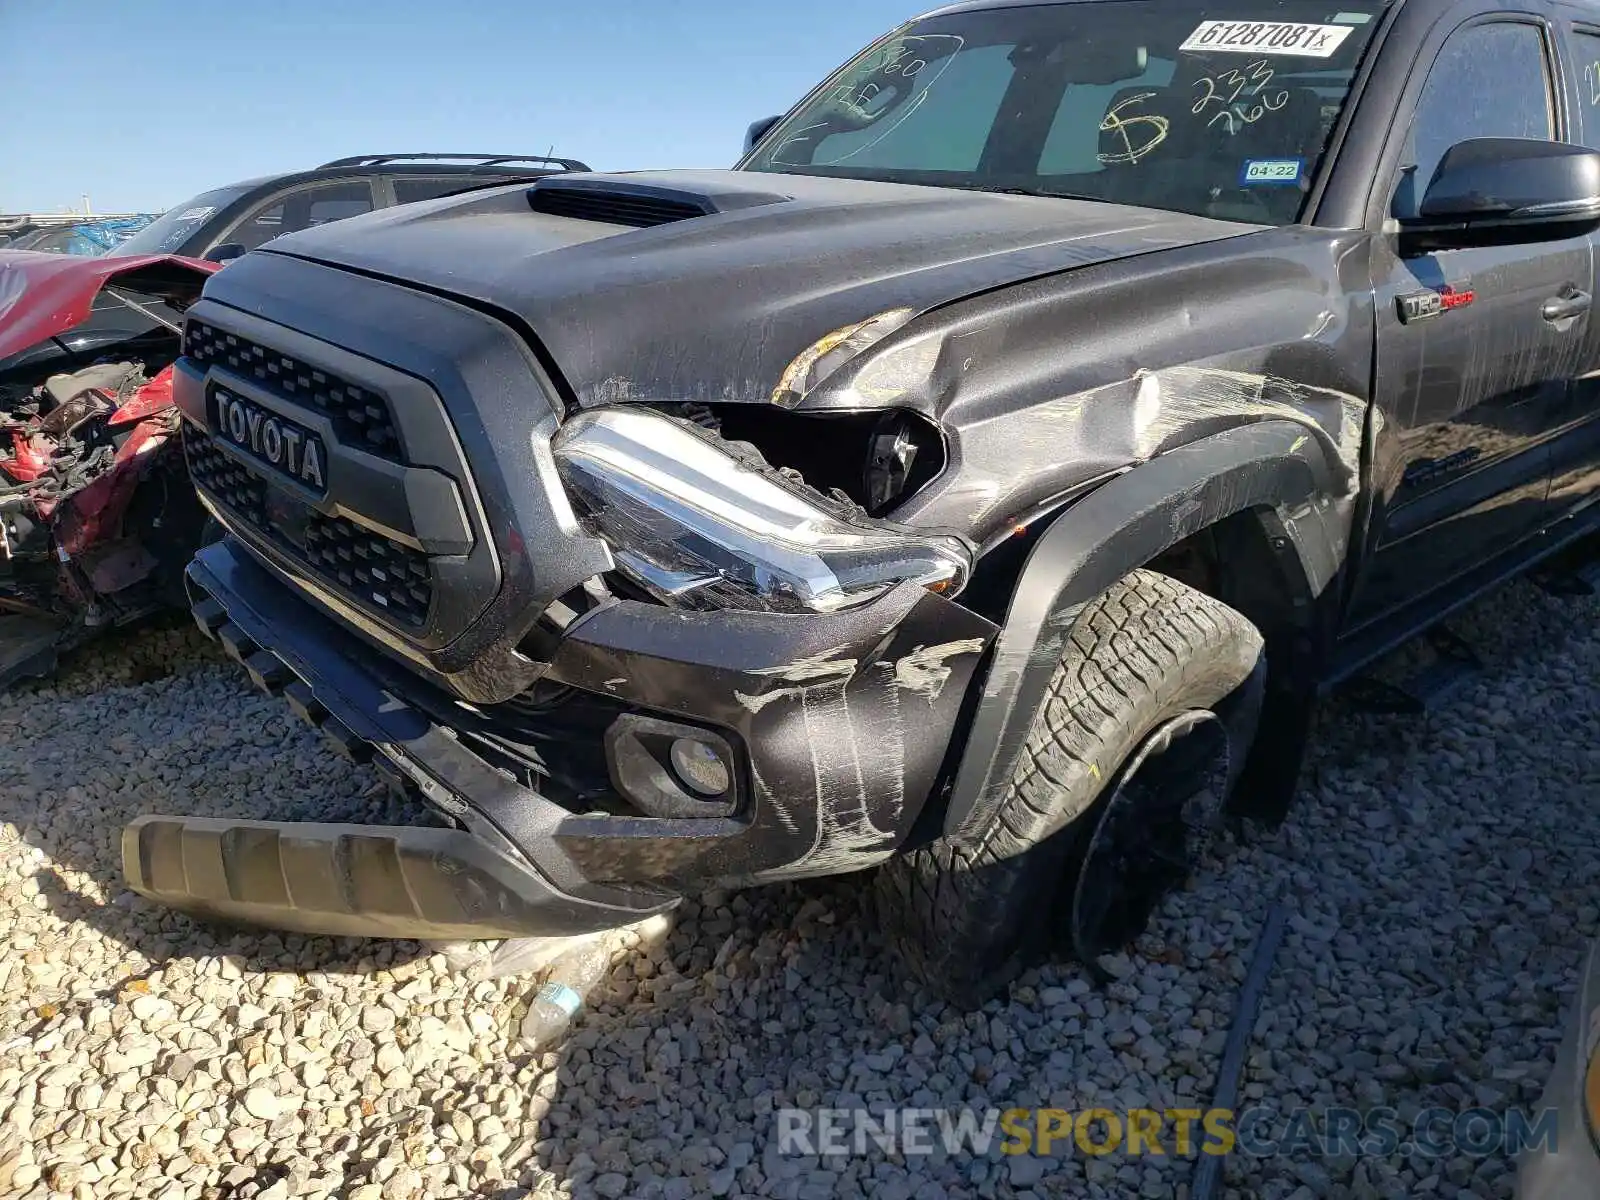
column 1236, row 562
column 1233, row 560
column 1242, row 561
column 1279, row 565
column 1245, row 561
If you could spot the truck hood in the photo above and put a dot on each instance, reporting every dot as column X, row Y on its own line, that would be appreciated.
column 706, row 285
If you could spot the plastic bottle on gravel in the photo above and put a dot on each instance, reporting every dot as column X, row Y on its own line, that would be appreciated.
column 570, row 979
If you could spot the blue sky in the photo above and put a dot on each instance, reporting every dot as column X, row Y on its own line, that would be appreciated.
column 143, row 103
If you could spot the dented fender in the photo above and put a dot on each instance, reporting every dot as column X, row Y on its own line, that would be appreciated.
column 1272, row 466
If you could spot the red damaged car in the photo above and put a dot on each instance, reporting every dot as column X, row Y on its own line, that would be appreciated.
column 97, row 516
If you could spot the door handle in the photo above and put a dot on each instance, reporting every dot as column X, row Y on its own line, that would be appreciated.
column 1571, row 303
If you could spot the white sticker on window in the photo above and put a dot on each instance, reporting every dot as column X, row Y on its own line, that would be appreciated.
column 1266, row 37
column 1270, row 170
column 195, row 214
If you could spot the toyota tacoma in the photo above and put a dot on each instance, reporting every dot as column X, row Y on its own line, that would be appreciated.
column 978, row 483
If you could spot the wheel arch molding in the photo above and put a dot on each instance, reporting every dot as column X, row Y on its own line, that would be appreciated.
column 1270, row 470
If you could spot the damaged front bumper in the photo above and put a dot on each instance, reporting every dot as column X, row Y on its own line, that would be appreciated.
column 835, row 728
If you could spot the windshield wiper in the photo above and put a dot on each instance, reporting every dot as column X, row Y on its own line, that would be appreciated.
column 1022, row 191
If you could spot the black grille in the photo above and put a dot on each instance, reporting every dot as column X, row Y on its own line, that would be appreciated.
column 394, row 577
column 241, row 490
column 638, row 209
column 360, row 417
column 351, row 558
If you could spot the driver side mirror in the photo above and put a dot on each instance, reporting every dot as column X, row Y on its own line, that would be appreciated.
column 1504, row 191
column 226, row 252
column 758, row 130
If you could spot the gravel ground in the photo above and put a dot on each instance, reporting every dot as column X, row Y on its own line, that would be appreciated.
column 1439, row 873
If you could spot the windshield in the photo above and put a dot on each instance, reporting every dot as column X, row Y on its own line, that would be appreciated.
column 174, row 227
column 1219, row 109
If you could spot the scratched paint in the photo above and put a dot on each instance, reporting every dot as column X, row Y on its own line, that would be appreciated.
column 1135, row 419
column 855, row 738
column 926, row 669
column 817, row 666
column 803, row 671
column 767, row 796
column 848, row 837
column 1189, row 395
column 756, row 702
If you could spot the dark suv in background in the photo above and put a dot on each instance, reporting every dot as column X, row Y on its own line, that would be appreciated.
column 229, row 221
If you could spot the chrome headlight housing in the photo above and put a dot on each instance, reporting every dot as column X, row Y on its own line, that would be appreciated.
column 695, row 523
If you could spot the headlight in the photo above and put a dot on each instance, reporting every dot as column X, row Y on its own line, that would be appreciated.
column 695, row 524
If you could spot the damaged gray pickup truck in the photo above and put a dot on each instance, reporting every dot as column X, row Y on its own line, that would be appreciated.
column 979, row 483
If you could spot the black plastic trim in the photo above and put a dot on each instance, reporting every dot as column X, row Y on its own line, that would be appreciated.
column 351, row 880
column 1272, row 465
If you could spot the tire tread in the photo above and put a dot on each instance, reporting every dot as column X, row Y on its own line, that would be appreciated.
column 961, row 915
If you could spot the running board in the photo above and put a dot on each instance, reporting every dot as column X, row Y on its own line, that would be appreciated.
column 1455, row 665
column 380, row 881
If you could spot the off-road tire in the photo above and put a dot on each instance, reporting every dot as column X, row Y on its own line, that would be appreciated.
column 966, row 916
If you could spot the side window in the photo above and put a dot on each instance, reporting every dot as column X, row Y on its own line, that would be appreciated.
column 335, row 202
column 1586, row 46
column 1489, row 80
column 408, row 191
column 299, row 210
column 261, row 225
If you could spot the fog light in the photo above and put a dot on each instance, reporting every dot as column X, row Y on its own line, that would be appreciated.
column 699, row 767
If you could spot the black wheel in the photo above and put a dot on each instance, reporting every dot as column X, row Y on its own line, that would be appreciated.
column 1149, row 659
column 1146, row 832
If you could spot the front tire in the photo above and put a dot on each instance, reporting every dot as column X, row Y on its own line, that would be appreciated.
column 966, row 916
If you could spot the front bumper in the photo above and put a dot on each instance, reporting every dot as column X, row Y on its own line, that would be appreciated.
column 1570, row 1166
column 841, row 726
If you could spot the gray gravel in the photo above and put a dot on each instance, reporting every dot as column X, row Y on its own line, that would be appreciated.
column 1439, row 871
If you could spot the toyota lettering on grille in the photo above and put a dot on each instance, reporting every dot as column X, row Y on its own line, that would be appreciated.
column 271, row 439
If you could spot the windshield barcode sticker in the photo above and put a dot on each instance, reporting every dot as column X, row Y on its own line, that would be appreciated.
column 1267, row 37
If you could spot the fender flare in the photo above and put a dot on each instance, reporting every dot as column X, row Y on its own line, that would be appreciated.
column 1274, row 467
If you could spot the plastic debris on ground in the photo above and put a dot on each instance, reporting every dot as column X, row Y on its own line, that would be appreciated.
column 567, row 985
column 520, row 956
column 568, row 968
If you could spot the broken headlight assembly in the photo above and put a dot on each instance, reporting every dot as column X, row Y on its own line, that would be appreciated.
column 696, row 523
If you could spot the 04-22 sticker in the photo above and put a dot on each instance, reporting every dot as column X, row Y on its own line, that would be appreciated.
column 1264, row 171
column 1266, row 37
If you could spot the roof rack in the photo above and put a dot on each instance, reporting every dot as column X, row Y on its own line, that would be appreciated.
column 480, row 160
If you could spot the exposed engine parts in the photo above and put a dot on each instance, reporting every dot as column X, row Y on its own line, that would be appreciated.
column 80, row 446
column 897, row 452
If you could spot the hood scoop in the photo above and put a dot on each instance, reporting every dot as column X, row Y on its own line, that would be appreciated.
column 617, row 200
